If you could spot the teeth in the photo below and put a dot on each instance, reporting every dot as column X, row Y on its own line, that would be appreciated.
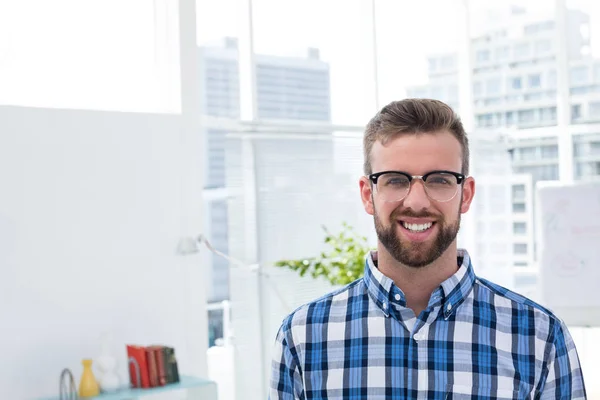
column 417, row 227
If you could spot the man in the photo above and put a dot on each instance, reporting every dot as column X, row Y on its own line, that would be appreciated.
column 420, row 324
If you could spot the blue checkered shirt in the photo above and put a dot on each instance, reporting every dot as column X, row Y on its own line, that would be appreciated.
column 475, row 340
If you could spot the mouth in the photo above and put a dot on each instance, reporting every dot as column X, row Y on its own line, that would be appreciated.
column 417, row 232
column 417, row 228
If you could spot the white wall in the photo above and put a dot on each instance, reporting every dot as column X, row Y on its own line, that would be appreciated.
column 92, row 205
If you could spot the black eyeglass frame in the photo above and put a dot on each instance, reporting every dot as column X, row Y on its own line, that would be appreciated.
column 459, row 177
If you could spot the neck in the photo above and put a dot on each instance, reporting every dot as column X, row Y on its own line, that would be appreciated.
column 417, row 284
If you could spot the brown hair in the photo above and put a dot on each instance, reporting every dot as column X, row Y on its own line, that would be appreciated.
column 414, row 116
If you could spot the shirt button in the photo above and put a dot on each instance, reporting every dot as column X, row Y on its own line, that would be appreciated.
column 385, row 306
column 397, row 297
column 449, row 307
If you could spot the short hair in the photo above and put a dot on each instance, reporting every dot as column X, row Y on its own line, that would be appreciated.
column 414, row 116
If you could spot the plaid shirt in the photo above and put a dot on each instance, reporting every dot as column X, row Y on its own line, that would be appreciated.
column 475, row 340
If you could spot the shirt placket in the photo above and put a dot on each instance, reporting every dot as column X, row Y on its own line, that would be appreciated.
column 419, row 340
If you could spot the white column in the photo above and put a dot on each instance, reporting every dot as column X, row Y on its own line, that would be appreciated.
column 196, row 324
column 375, row 54
column 465, row 69
column 246, row 286
column 563, row 104
column 468, row 233
column 246, row 62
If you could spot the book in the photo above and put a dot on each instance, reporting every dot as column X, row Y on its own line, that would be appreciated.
column 152, row 368
column 159, row 358
column 138, row 353
column 171, row 364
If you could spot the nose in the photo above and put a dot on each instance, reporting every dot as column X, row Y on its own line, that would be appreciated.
column 417, row 199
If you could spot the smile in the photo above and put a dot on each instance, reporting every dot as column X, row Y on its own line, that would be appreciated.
column 417, row 227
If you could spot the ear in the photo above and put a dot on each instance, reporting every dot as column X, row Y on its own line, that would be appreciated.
column 366, row 194
column 468, row 192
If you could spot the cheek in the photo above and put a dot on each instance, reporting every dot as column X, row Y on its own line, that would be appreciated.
column 387, row 212
column 451, row 211
column 383, row 209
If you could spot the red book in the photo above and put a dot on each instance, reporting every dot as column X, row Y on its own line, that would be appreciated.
column 152, row 367
column 139, row 354
column 161, row 369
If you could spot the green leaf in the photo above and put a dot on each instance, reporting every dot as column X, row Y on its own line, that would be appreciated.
column 342, row 264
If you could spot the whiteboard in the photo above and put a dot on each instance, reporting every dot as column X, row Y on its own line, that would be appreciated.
column 568, row 228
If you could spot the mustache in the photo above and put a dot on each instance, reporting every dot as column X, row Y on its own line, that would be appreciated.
column 397, row 214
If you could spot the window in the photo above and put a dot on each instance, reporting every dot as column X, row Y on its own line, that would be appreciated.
column 518, row 192
column 549, row 151
column 527, row 153
column 575, row 112
column 520, row 248
column 546, row 172
column 437, row 92
column 597, row 72
column 594, row 110
column 482, row 56
column 477, row 89
column 520, row 264
column 447, row 62
column 522, row 50
column 526, row 116
column 418, row 92
column 485, row 120
column 588, row 169
column 548, row 113
column 493, row 86
column 519, row 228
column 533, row 97
column 433, row 63
column 543, row 46
column 510, row 118
column 551, row 79
column 452, row 93
column 578, row 75
column 515, row 83
column 502, row 53
column 519, row 207
column 535, row 81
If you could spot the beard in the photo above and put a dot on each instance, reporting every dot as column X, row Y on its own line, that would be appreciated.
column 415, row 254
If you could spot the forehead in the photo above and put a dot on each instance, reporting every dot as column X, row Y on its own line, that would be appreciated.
column 418, row 153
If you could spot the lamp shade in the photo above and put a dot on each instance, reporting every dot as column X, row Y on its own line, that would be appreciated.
column 187, row 245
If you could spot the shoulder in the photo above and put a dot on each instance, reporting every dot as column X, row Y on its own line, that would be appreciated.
column 319, row 310
column 520, row 309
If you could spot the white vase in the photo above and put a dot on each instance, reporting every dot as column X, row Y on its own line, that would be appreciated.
column 106, row 363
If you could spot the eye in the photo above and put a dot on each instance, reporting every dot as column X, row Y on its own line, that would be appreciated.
column 394, row 180
column 441, row 179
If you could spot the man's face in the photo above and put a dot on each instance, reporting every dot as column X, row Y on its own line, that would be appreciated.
column 417, row 155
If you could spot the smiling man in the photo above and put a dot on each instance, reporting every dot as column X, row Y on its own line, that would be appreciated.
column 420, row 324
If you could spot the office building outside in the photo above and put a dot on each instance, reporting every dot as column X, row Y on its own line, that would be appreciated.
column 287, row 89
column 515, row 92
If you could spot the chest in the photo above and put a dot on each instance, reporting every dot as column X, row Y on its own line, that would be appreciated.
column 443, row 359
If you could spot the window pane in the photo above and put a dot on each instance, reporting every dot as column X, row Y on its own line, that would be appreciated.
column 316, row 73
column 518, row 192
column 107, row 55
column 519, row 227
column 518, row 207
column 403, row 33
column 520, row 248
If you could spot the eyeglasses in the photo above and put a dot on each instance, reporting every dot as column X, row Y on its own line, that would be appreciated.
column 395, row 185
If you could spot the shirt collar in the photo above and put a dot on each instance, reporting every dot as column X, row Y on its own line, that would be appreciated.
column 451, row 293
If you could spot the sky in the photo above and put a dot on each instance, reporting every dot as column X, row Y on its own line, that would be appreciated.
column 121, row 54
